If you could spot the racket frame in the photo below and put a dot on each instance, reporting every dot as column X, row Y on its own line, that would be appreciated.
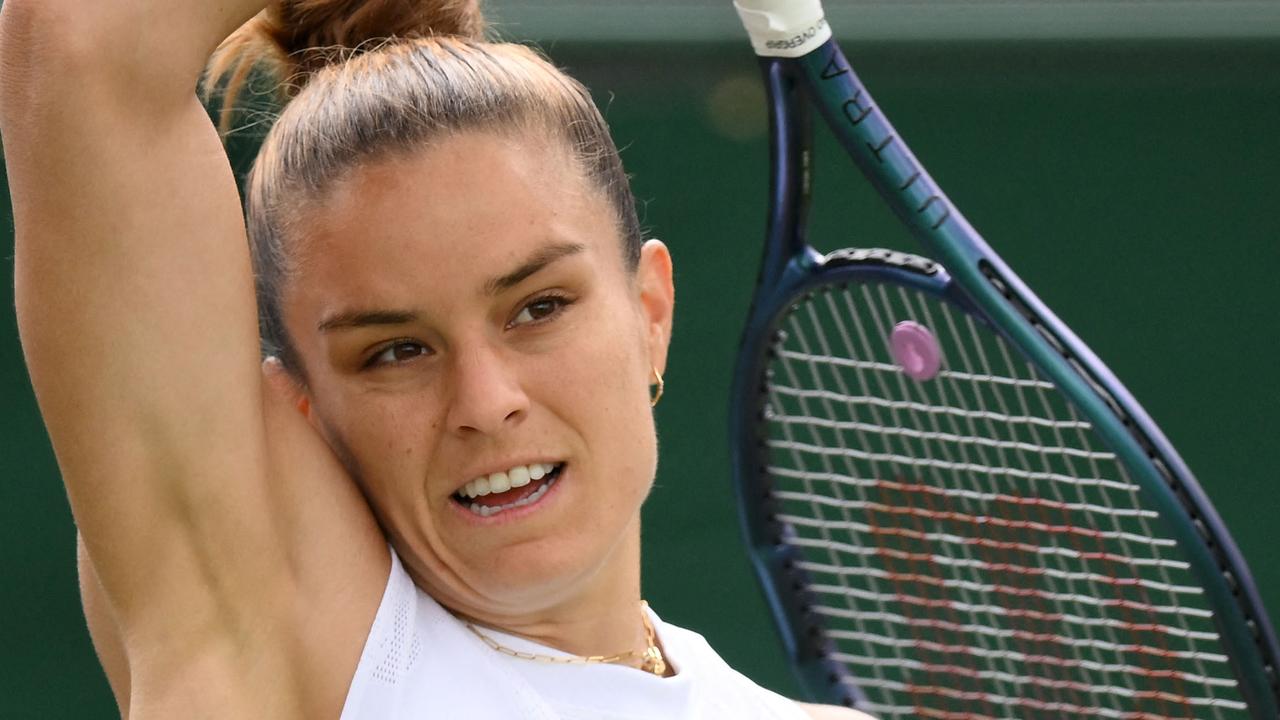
column 976, row 279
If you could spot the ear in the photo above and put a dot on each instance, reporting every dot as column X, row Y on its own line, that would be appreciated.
column 283, row 388
column 657, row 299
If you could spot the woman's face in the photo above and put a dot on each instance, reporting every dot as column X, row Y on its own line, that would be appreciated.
column 463, row 313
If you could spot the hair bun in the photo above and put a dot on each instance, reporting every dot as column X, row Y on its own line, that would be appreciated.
column 296, row 38
column 314, row 33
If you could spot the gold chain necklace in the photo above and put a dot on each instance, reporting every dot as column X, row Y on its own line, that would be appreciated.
column 651, row 659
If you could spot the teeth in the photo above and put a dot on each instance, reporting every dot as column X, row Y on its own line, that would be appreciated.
column 533, row 497
column 518, row 476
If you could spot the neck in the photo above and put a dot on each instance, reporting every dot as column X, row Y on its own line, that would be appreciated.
column 603, row 618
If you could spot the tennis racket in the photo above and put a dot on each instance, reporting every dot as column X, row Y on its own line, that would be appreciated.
column 955, row 510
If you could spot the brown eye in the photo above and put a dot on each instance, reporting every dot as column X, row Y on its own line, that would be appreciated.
column 398, row 353
column 539, row 310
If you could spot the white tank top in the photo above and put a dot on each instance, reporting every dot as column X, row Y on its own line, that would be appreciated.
column 421, row 662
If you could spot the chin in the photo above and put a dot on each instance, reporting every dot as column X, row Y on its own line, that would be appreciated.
column 541, row 574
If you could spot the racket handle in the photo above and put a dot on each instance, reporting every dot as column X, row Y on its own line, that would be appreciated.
column 783, row 28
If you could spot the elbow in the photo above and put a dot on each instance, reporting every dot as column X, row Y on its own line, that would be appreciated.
column 34, row 32
column 40, row 48
column 20, row 41
column 49, row 48
column 20, row 24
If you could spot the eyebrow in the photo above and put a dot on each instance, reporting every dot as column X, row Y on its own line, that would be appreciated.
column 365, row 318
column 536, row 262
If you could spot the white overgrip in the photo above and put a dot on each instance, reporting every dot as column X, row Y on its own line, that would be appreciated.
column 783, row 28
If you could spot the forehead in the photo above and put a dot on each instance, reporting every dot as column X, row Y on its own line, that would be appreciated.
column 450, row 214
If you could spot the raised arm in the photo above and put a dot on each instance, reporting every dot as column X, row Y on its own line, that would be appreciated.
column 103, row 630
column 136, row 311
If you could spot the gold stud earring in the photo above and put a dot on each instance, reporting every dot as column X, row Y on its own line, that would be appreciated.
column 657, row 395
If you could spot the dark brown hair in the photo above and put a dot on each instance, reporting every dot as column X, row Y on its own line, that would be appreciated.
column 372, row 80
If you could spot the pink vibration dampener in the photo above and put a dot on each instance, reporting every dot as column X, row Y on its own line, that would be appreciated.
column 916, row 350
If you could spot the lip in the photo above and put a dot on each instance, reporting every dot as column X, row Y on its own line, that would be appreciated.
column 495, row 468
column 514, row 514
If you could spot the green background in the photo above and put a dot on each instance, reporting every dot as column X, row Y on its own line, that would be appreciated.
column 1135, row 185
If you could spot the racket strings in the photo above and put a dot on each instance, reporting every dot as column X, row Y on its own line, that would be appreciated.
column 972, row 551
column 1057, row 510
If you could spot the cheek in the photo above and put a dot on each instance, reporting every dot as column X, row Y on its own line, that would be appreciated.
column 602, row 385
column 385, row 434
column 604, row 369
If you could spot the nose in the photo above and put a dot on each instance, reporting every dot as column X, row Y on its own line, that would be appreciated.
column 487, row 394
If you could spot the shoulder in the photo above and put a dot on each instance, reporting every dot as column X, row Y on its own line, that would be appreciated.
column 690, row 647
column 832, row 712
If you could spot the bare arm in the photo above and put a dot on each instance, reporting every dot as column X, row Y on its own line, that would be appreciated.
column 354, row 562
column 136, row 312
column 102, row 629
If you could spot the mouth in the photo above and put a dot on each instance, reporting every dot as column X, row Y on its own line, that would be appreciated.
column 514, row 488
